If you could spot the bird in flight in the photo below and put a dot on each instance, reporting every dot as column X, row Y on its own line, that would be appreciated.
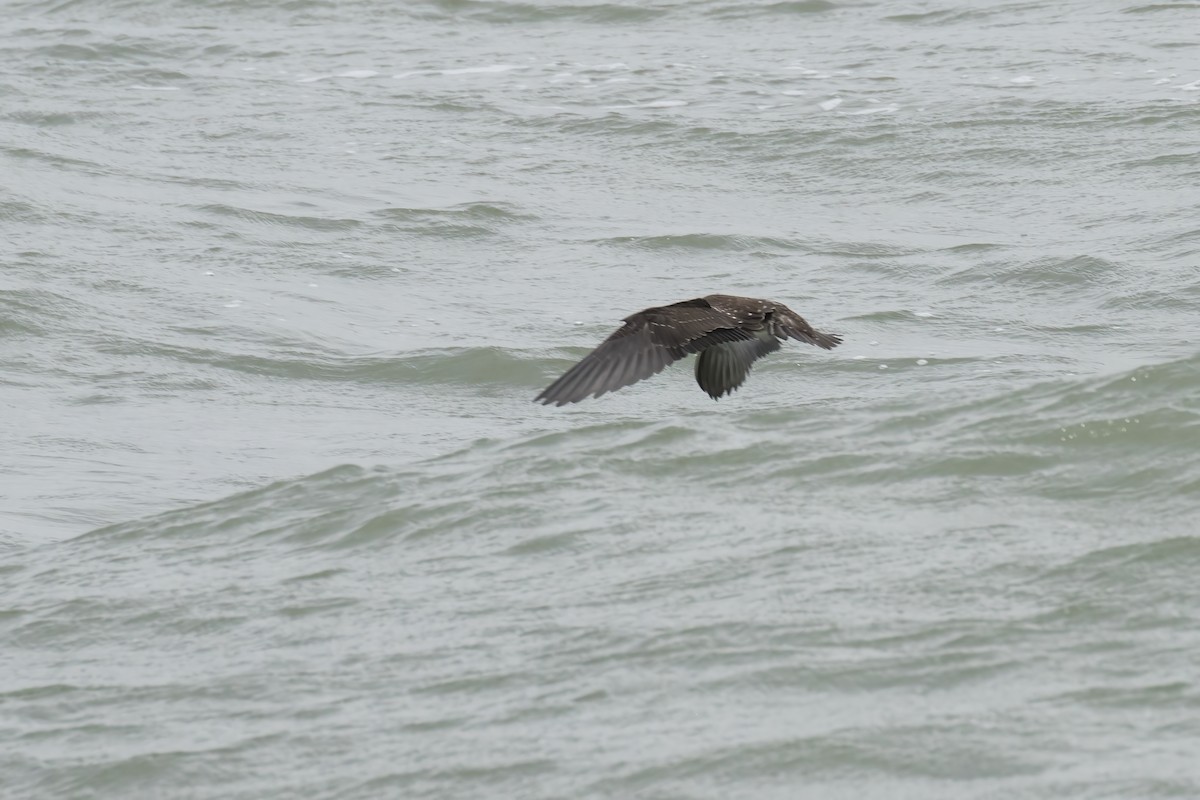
column 729, row 334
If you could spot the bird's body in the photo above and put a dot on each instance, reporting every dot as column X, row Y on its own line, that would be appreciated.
column 729, row 333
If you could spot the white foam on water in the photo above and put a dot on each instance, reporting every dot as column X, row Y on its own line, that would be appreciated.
column 830, row 105
column 488, row 70
column 140, row 88
column 491, row 69
column 880, row 110
column 792, row 93
column 313, row 78
column 652, row 104
column 358, row 73
column 922, row 313
column 1021, row 80
column 921, row 362
column 1194, row 86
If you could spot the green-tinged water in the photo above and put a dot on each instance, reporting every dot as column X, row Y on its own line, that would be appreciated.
column 279, row 518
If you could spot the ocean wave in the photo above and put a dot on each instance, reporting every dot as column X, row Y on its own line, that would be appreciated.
column 785, row 8
column 731, row 243
column 1066, row 440
column 515, row 13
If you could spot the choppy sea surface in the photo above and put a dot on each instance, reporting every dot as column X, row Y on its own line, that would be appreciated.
column 278, row 282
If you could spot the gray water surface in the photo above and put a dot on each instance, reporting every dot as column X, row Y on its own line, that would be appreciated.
column 279, row 281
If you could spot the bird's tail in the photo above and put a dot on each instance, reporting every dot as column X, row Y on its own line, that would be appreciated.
column 827, row 341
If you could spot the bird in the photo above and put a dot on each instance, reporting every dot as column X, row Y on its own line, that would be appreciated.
column 729, row 333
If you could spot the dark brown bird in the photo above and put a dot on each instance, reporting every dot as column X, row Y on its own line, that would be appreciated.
column 730, row 333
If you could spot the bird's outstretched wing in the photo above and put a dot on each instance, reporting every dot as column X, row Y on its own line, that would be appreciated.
column 647, row 342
